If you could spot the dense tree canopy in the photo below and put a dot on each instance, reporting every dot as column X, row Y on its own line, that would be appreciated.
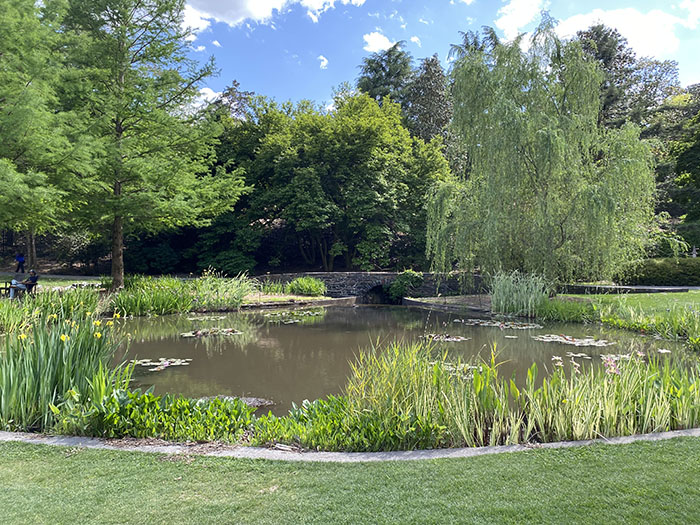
column 103, row 147
column 550, row 192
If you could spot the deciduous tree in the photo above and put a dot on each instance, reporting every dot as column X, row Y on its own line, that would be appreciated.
column 550, row 192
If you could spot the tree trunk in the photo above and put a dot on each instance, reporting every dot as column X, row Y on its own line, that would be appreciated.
column 117, row 253
column 31, row 250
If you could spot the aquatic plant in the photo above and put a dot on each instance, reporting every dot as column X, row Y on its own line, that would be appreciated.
column 408, row 397
column 518, row 294
column 44, row 361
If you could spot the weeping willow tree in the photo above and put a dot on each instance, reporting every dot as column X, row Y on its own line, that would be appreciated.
column 548, row 191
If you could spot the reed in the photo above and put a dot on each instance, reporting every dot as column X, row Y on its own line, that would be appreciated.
column 47, row 359
column 408, row 397
column 518, row 294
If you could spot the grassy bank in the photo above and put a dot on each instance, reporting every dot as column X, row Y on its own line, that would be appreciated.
column 143, row 295
column 669, row 315
column 641, row 482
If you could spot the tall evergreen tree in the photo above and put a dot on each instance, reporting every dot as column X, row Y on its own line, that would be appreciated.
column 386, row 74
column 154, row 149
column 428, row 106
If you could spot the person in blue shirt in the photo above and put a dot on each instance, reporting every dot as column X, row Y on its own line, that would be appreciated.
column 27, row 284
column 20, row 262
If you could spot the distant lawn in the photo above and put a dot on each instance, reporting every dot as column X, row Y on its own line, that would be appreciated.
column 641, row 482
column 651, row 303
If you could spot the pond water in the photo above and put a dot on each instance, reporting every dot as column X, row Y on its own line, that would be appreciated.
column 306, row 354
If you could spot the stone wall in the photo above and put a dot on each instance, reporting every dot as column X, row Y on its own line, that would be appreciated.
column 346, row 284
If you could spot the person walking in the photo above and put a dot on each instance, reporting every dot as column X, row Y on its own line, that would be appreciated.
column 20, row 262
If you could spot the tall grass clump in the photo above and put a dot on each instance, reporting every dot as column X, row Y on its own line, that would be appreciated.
column 39, row 365
column 267, row 286
column 214, row 291
column 677, row 322
column 306, row 286
column 143, row 295
column 18, row 314
column 516, row 293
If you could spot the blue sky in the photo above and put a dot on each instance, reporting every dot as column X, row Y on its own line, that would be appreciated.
column 301, row 49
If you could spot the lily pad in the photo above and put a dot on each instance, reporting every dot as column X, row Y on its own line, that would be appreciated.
column 569, row 340
column 503, row 325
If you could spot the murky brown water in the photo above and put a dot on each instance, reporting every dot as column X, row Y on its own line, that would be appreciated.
column 290, row 358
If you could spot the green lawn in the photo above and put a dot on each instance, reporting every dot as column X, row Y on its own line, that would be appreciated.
column 649, row 302
column 642, row 482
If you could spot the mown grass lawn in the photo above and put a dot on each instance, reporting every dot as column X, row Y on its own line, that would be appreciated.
column 641, row 482
column 651, row 303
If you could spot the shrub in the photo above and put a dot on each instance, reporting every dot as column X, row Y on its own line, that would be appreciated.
column 665, row 272
column 518, row 294
column 405, row 283
column 306, row 286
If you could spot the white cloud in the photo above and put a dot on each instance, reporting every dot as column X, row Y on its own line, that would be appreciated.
column 423, row 21
column 376, row 41
column 206, row 96
column 693, row 8
column 216, row 43
column 234, row 12
column 517, row 14
column 195, row 21
column 199, row 49
column 324, row 62
column 416, row 41
column 468, row 2
column 650, row 34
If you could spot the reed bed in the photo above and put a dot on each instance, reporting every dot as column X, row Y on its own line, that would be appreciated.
column 40, row 364
column 408, row 397
column 520, row 294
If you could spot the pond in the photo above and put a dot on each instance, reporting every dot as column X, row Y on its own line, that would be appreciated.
column 289, row 356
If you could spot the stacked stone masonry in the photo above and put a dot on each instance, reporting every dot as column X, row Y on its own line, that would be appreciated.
column 348, row 284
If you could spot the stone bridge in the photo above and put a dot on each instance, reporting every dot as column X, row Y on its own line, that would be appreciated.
column 348, row 284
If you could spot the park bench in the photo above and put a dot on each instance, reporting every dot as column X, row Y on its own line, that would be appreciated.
column 5, row 290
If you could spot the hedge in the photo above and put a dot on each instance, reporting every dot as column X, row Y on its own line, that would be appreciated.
column 665, row 272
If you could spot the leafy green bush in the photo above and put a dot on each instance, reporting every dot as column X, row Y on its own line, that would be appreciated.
column 405, row 283
column 306, row 286
column 518, row 294
column 135, row 414
column 665, row 272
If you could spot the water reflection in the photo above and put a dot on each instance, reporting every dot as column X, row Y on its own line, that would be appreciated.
column 292, row 357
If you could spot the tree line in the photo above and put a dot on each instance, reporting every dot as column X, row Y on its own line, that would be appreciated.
column 565, row 159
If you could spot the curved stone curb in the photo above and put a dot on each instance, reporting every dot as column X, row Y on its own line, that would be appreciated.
column 333, row 301
column 327, row 457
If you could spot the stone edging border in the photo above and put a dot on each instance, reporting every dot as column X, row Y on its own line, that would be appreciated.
column 335, row 301
column 215, row 450
column 451, row 308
